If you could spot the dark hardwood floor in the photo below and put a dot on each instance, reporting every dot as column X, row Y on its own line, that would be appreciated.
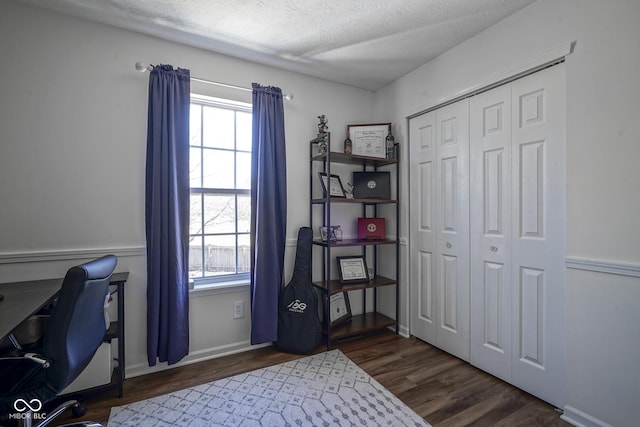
column 441, row 388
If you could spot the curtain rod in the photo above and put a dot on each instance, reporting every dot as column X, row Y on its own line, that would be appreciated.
column 140, row 66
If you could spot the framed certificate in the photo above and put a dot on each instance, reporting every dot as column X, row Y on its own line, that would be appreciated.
column 353, row 269
column 332, row 184
column 340, row 309
column 369, row 139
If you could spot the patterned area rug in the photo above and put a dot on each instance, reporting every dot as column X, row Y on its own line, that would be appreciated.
column 325, row 389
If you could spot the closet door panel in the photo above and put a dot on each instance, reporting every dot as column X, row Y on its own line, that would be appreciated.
column 425, row 298
column 490, row 233
column 452, row 186
column 422, row 242
column 539, row 249
column 449, row 301
column 487, row 232
column 532, row 333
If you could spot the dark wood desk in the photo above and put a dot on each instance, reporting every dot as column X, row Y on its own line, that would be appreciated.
column 22, row 299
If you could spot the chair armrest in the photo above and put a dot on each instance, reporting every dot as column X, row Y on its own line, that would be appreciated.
column 18, row 369
column 35, row 357
column 38, row 358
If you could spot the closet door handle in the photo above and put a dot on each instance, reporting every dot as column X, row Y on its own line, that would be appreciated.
column 493, row 249
column 449, row 245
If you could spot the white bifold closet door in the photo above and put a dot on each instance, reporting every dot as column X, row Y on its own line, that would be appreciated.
column 491, row 195
column 439, row 213
column 517, row 231
column 487, row 237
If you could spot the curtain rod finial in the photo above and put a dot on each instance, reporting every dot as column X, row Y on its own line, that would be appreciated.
column 140, row 66
column 288, row 96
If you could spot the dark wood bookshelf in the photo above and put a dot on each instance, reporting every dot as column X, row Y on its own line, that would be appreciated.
column 336, row 287
column 361, row 324
column 371, row 320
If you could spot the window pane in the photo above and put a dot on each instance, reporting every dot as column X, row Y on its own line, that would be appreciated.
column 244, row 255
column 218, row 124
column 195, row 256
column 243, row 131
column 218, row 169
column 195, row 171
column 219, row 213
column 244, row 213
column 195, row 214
column 220, row 166
column 243, row 169
column 219, row 255
column 195, row 125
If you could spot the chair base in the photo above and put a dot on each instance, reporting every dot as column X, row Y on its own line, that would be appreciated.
column 77, row 409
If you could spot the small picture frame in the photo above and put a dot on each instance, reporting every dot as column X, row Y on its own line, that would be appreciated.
column 323, row 234
column 340, row 309
column 369, row 139
column 333, row 183
column 332, row 233
column 352, row 269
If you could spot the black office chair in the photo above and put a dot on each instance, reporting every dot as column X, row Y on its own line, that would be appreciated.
column 72, row 336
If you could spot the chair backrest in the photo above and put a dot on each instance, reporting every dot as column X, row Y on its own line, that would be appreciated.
column 77, row 327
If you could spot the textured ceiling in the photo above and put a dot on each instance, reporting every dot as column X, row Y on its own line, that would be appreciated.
column 364, row 43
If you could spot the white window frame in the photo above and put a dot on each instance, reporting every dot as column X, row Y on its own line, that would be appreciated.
column 227, row 282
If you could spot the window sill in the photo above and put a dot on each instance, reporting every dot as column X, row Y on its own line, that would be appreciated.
column 219, row 288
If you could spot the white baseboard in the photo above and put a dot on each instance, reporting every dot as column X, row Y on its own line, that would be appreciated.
column 581, row 419
column 193, row 357
column 211, row 353
column 403, row 331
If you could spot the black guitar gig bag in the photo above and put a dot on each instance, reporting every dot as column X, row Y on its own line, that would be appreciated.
column 299, row 328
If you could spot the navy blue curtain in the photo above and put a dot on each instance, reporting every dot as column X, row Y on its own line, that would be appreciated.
column 268, row 211
column 167, row 215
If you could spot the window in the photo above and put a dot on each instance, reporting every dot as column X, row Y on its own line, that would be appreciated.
column 220, row 181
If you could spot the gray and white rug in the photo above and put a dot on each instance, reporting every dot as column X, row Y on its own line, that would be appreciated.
column 325, row 389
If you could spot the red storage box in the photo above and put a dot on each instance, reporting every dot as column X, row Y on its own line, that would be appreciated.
column 372, row 229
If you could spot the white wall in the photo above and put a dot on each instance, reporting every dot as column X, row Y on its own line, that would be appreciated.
column 73, row 116
column 73, row 124
column 603, row 133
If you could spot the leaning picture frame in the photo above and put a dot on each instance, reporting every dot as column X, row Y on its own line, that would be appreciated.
column 340, row 309
column 352, row 269
column 332, row 184
column 332, row 233
column 369, row 139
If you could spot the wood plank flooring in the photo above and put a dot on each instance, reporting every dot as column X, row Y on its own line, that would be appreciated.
column 442, row 389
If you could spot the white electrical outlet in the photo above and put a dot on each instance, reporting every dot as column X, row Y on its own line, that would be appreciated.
column 238, row 309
